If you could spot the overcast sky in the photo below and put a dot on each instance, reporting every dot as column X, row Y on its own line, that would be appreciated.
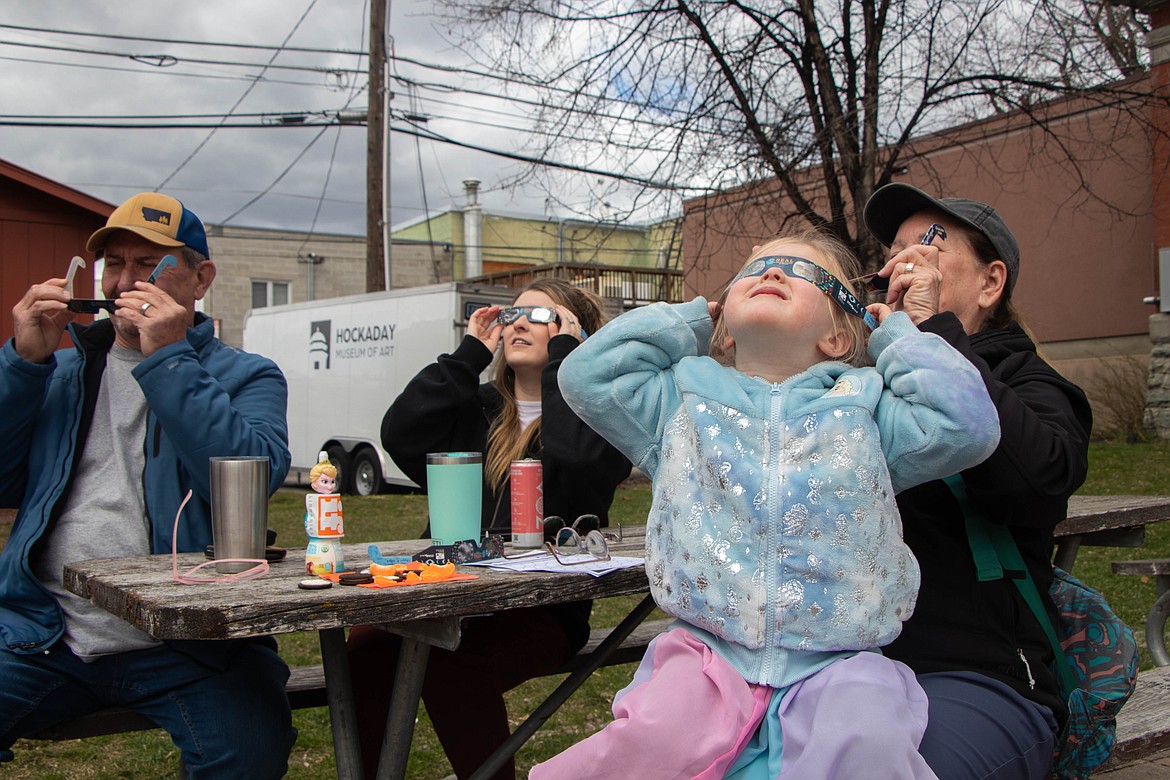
column 63, row 78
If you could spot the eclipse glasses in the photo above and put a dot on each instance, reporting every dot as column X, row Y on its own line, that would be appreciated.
column 542, row 315
column 94, row 305
column 875, row 283
column 824, row 281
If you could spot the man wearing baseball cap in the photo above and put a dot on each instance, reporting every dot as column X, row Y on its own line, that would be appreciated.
column 977, row 649
column 103, row 441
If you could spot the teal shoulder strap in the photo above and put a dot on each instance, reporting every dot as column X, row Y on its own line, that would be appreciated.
column 996, row 556
column 987, row 565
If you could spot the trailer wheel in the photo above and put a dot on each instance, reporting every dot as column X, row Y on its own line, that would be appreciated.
column 367, row 474
column 340, row 460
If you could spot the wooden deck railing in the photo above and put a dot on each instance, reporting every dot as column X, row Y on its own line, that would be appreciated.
column 631, row 285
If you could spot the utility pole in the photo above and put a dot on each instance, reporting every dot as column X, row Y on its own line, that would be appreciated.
column 377, row 155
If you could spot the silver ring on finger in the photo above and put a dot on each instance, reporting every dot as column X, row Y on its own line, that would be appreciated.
column 144, row 307
column 909, row 268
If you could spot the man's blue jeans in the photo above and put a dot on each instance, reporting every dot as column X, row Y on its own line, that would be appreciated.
column 223, row 702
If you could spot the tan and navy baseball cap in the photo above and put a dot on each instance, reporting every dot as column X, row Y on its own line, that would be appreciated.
column 160, row 219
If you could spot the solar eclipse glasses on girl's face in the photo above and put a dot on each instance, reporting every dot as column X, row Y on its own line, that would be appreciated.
column 542, row 315
column 824, row 281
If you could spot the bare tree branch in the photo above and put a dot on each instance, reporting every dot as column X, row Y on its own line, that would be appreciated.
column 823, row 99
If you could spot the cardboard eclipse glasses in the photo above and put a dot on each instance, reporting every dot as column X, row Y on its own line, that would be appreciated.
column 875, row 283
column 824, row 281
column 94, row 305
column 542, row 315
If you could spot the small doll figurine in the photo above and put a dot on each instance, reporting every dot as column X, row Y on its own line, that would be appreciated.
column 323, row 520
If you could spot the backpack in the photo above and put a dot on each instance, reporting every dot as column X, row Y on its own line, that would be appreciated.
column 1096, row 655
column 1101, row 656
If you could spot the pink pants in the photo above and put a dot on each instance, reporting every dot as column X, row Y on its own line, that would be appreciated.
column 688, row 713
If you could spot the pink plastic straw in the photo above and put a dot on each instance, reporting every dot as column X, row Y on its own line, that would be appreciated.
column 258, row 570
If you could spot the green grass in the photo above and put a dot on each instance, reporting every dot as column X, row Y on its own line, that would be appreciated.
column 1115, row 469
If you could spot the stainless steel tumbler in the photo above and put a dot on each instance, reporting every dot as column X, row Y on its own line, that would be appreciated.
column 239, row 510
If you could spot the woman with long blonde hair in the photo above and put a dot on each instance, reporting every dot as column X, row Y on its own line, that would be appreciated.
column 518, row 414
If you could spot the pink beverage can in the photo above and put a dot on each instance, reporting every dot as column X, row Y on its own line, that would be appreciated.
column 527, row 478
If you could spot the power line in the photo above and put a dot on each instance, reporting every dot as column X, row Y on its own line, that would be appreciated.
column 426, row 135
column 169, row 60
column 144, row 117
column 651, row 183
column 291, row 165
column 183, row 42
column 218, row 191
column 157, row 72
column 169, row 125
column 236, row 105
column 333, row 155
column 275, row 181
column 160, row 68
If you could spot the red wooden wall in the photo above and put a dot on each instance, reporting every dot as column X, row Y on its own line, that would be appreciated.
column 43, row 224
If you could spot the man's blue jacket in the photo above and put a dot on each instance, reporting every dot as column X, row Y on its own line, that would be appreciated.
column 206, row 400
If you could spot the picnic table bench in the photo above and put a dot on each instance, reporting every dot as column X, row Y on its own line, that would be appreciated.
column 1143, row 727
column 306, row 686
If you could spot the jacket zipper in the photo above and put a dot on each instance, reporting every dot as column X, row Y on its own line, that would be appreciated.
column 1027, row 668
column 771, row 432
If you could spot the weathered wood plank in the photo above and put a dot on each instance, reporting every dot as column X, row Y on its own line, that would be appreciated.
column 1143, row 727
column 1088, row 514
column 142, row 591
column 1153, row 567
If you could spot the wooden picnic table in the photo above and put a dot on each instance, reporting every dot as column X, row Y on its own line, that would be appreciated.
column 142, row 591
column 1107, row 521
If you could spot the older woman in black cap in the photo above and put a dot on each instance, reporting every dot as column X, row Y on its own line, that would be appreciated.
column 978, row 651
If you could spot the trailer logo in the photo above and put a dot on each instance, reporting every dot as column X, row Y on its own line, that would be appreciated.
column 320, row 338
column 348, row 342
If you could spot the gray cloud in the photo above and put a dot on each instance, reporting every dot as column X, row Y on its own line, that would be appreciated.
column 235, row 164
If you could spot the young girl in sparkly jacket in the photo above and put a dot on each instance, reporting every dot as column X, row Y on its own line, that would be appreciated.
column 774, row 537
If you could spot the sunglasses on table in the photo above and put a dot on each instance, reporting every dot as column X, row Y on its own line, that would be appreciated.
column 584, row 536
column 801, row 268
column 875, row 283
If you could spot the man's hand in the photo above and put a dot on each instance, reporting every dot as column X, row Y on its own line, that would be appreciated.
column 39, row 319
column 156, row 316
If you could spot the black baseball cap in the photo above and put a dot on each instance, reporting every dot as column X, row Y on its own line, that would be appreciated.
column 894, row 203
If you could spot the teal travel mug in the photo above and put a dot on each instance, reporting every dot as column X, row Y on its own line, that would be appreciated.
column 454, row 495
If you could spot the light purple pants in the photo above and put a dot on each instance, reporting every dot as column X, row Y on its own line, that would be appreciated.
column 688, row 713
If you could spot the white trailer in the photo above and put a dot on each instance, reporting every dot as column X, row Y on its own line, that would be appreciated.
column 346, row 359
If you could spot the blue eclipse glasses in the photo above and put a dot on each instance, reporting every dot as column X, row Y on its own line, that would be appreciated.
column 824, row 281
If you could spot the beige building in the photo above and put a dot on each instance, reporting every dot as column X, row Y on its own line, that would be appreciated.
column 260, row 267
column 489, row 242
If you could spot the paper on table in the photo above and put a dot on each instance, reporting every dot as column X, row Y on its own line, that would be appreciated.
column 541, row 561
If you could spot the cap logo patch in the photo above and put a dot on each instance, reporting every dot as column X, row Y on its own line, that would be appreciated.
column 156, row 215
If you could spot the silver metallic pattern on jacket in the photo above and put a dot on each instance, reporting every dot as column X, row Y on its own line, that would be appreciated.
column 775, row 532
